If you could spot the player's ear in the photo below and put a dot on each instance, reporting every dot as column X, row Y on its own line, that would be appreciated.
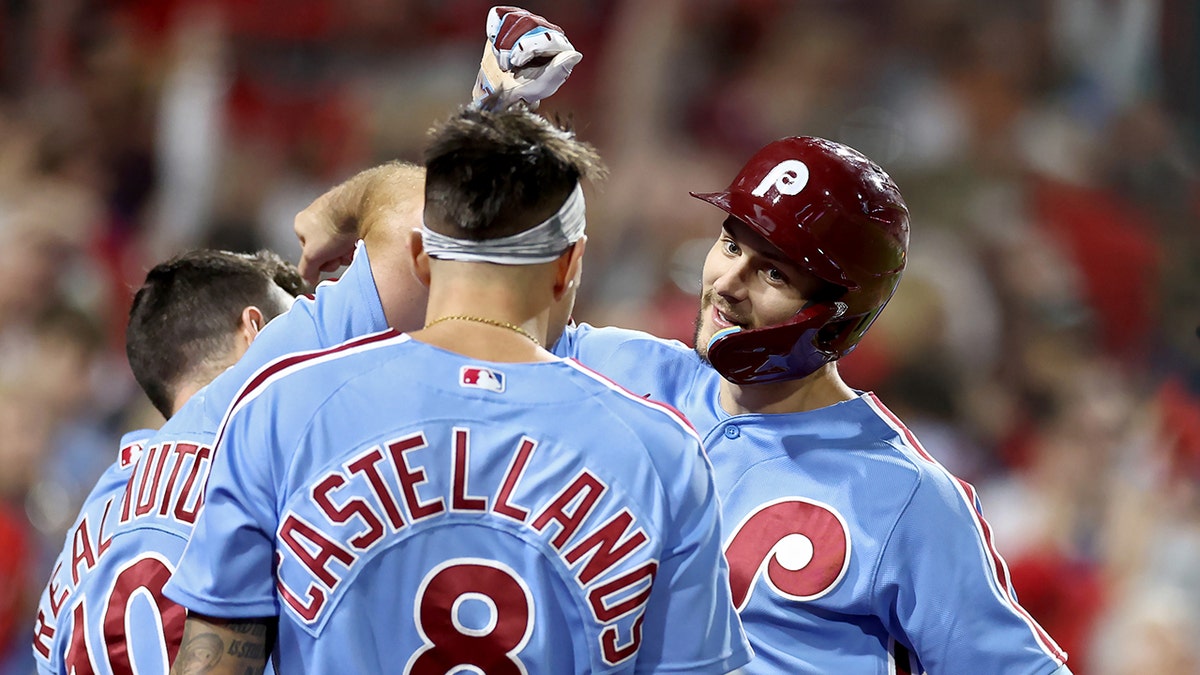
column 420, row 259
column 251, row 322
column 569, row 269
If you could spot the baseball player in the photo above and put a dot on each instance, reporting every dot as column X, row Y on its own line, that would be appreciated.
column 157, row 508
column 458, row 499
column 102, row 610
column 851, row 549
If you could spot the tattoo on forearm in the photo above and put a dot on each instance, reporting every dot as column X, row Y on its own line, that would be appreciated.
column 248, row 649
column 198, row 654
column 258, row 630
column 225, row 647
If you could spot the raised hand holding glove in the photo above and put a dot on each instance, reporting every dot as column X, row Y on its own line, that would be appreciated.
column 525, row 58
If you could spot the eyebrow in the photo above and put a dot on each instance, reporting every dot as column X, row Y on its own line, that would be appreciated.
column 769, row 251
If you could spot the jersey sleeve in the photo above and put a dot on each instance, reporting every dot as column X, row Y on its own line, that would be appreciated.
column 226, row 570
column 690, row 623
column 640, row 362
column 943, row 580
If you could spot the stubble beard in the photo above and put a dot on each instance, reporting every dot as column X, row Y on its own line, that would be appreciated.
column 701, row 347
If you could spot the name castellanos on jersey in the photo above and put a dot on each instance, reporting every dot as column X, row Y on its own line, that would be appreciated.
column 352, row 509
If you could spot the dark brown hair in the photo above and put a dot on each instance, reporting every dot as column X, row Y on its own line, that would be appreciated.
column 493, row 174
column 190, row 307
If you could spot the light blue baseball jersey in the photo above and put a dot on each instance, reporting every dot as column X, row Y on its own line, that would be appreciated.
column 82, row 593
column 851, row 549
column 405, row 509
column 155, row 515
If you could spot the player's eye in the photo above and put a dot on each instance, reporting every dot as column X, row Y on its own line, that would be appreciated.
column 730, row 246
column 774, row 275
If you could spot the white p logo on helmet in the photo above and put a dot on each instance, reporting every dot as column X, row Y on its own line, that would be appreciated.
column 787, row 177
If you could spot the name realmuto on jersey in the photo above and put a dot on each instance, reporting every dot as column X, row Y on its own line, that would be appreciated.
column 593, row 547
column 169, row 483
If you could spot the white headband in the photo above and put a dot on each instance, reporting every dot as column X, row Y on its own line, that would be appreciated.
column 540, row 244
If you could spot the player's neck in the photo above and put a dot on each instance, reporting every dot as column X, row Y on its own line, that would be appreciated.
column 184, row 392
column 401, row 296
column 487, row 324
column 819, row 390
column 199, row 376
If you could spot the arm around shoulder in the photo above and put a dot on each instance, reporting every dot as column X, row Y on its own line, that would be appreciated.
column 329, row 227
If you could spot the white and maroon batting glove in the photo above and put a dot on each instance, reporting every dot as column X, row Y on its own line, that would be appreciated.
column 526, row 58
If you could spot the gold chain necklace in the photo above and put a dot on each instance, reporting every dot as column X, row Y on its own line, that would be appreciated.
column 491, row 322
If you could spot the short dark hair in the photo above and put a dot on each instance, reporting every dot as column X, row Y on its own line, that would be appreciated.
column 494, row 174
column 189, row 308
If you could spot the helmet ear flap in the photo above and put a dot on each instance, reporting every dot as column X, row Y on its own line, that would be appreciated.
column 841, row 337
column 781, row 352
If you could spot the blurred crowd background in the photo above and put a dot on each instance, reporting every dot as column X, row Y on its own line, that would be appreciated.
column 1043, row 343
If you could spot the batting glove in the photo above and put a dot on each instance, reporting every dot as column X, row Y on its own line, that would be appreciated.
column 526, row 58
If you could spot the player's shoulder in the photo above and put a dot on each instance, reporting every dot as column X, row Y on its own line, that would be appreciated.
column 640, row 431
column 340, row 310
column 132, row 441
column 290, row 333
column 325, row 369
column 932, row 484
column 112, row 481
column 83, row 539
column 624, row 401
column 635, row 359
column 588, row 342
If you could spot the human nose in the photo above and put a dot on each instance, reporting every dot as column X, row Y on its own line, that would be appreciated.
column 730, row 282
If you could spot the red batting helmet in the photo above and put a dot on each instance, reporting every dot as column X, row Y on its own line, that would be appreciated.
column 835, row 213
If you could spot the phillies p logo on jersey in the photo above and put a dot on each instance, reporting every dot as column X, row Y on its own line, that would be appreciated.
column 799, row 546
column 476, row 377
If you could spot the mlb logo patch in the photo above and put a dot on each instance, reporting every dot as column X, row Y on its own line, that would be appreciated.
column 477, row 377
column 130, row 454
